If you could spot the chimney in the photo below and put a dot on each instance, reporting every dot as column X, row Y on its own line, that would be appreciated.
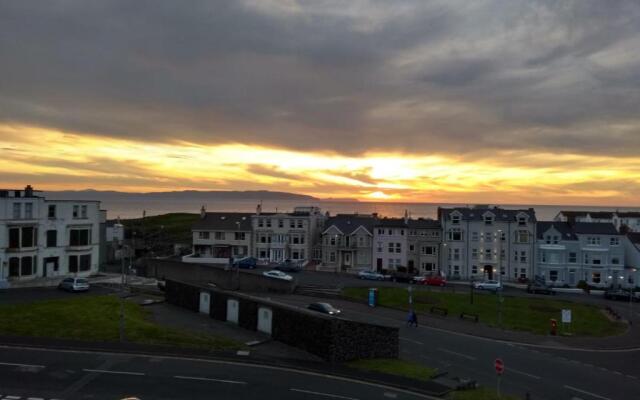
column 28, row 191
column 203, row 212
column 258, row 209
column 406, row 216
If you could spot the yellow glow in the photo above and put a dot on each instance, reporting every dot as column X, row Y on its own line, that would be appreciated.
column 62, row 160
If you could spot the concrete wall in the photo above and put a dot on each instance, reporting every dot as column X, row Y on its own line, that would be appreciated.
column 333, row 339
column 249, row 281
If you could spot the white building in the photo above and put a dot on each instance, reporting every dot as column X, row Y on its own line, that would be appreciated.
column 481, row 240
column 624, row 221
column 279, row 236
column 42, row 238
column 220, row 236
column 346, row 241
column 593, row 252
column 390, row 244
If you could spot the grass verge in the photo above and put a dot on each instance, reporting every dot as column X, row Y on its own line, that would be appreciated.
column 518, row 313
column 479, row 394
column 97, row 318
column 394, row 366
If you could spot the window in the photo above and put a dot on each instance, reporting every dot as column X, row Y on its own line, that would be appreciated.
column 14, row 238
column 553, row 276
column 427, row 266
column 401, row 232
column 515, row 255
column 295, row 255
column 488, row 254
column 239, row 236
column 593, row 240
column 295, row 239
column 523, row 272
column 52, row 211
column 268, row 223
column 79, row 237
column 573, row 257
column 411, row 247
column 379, row 247
column 52, row 238
column 391, row 247
column 522, row 236
column 300, row 225
column 83, row 211
column 27, row 266
column 302, row 239
column 17, row 210
column 474, row 236
column 474, row 269
column 615, row 241
column 332, row 257
column 292, row 223
column 203, row 235
column 595, row 277
column 615, row 260
column 543, row 257
column 28, row 234
column 398, row 247
column 596, row 260
column 51, row 262
column 456, row 270
column 522, row 221
column 456, row 254
column 73, row 264
column 28, row 211
column 85, row 262
column 455, row 219
column 76, row 211
column 332, row 240
column 503, row 254
column 547, row 239
column 586, row 258
column 14, row 266
column 474, row 254
column 263, row 254
column 280, row 223
column 219, row 235
column 390, row 231
column 523, row 256
column 428, row 250
column 488, row 219
column 380, row 231
column 260, row 222
column 455, row 234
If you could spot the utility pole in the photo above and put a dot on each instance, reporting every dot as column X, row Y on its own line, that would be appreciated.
column 122, row 285
column 500, row 277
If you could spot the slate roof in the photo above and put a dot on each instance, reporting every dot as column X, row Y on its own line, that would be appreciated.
column 349, row 223
column 634, row 237
column 223, row 221
column 595, row 228
column 562, row 227
column 424, row 223
column 572, row 215
column 629, row 214
column 476, row 213
column 391, row 223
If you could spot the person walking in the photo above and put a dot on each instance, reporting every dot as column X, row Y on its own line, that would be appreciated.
column 414, row 318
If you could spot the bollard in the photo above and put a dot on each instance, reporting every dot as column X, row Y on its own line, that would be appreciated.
column 554, row 327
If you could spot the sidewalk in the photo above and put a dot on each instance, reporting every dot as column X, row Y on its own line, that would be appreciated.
column 101, row 278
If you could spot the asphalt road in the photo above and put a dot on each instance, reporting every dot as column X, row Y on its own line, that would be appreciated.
column 53, row 374
column 543, row 372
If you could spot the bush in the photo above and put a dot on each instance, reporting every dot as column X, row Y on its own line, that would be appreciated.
column 584, row 286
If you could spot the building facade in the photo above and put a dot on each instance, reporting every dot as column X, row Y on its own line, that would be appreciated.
column 42, row 238
column 568, row 253
column 423, row 246
column 346, row 241
column 280, row 236
column 219, row 237
column 390, row 244
column 624, row 221
column 480, row 241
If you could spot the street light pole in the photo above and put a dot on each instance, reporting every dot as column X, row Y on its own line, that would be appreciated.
column 633, row 271
column 122, row 285
column 500, row 277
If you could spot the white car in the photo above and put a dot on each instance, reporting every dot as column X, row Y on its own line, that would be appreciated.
column 74, row 285
column 488, row 285
column 372, row 275
column 277, row 275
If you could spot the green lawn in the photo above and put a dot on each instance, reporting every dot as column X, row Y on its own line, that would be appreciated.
column 478, row 394
column 96, row 318
column 394, row 366
column 518, row 313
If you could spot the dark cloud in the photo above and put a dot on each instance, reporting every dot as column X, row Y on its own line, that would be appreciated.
column 410, row 75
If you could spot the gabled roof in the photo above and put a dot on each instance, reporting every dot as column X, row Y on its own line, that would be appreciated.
column 349, row 223
column 573, row 215
column 629, row 214
column 562, row 227
column 477, row 213
column 224, row 221
column 595, row 228
column 424, row 223
column 634, row 237
column 391, row 223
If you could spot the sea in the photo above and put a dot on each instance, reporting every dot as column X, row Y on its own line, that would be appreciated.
column 135, row 209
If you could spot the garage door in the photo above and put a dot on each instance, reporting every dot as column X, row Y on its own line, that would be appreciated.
column 205, row 302
column 232, row 311
column 265, row 316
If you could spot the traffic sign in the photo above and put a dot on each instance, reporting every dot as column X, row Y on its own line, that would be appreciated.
column 499, row 366
column 566, row 316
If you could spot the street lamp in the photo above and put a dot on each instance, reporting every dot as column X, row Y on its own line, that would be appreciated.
column 122, row 289
column 633, row 271
column 500, row 277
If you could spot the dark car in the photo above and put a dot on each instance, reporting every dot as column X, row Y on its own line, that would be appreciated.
column 288, row 266
column 537, row 287
column 247, row 262
column 324, row 308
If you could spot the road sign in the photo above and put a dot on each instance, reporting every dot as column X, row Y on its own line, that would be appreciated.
column 499, row 366
column 566, row 316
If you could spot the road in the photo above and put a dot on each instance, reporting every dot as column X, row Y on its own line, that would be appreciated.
column 65, row 375
column 545, row 373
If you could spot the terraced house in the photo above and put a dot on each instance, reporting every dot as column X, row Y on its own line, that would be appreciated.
column 42, row 238
column 481, row 240
column 346, row 241
column 593, row 252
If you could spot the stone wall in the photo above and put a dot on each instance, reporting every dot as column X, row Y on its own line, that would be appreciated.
column 333, row 339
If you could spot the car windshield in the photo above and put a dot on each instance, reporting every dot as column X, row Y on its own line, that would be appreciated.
column 82, row 281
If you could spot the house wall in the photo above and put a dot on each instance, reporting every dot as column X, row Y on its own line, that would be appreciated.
column 382, row 237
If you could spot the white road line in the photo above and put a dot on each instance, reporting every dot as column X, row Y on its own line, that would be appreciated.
column 587, row 393
column 333, row 396
column 617, row 373
column 104, row 371
column 12, row 397
column 390, row 395
column 22, row 365
column 411, row 341
column 198, row 378
column 455, row 353
column 35, row 398
column 522, row 373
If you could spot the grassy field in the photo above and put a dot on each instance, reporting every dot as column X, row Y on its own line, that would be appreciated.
column 518, row 313
column 96, row 318
column 478, row 394
column 395, row 367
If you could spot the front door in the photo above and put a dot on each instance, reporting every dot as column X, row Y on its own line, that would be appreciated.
column 347, row 259
column 410, row 264
column 488, row 272
column 379, row 264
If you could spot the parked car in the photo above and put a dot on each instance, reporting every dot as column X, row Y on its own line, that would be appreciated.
column 435, row 280
column 488, row 285
column 372, row 275
column 247, row 262
column 74, row 284
column 620, row 294
column 325, row 308
column 537, row 287
column 419, row 280
column 277, row 275
column 288, row 266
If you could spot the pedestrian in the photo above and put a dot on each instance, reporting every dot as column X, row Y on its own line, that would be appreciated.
column 410, row 318
column 414, row 318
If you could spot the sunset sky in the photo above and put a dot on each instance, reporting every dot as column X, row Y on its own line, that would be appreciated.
column 497, row 101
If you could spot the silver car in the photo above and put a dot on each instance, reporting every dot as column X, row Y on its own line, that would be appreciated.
column 74, row 285
column 372, row 275
column 488, row 285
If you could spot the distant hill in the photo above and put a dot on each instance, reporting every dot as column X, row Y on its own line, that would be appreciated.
column 176, row 195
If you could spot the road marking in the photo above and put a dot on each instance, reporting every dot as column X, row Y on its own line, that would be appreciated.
column 587, row 393
column 411, row 341
column 35, row 398
column 242, row 353
column 104, row 371
column 522, row 373
column 198, row 378
column 333, row 396
column 617, row 373
column 390, row 395
column 455, row 353
column 12, row 397
column 22, row 365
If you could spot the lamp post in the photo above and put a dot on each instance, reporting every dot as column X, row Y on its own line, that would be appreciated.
column 122, row 290
column 237, row 263
column 633, row 271
column 500, row 277
column 442, row 258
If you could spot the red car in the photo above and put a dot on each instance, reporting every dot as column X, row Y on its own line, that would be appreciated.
column 435, row 280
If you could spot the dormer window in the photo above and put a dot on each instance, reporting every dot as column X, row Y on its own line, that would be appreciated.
column 488, row 219
column 522, row 220
column 455, row 219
